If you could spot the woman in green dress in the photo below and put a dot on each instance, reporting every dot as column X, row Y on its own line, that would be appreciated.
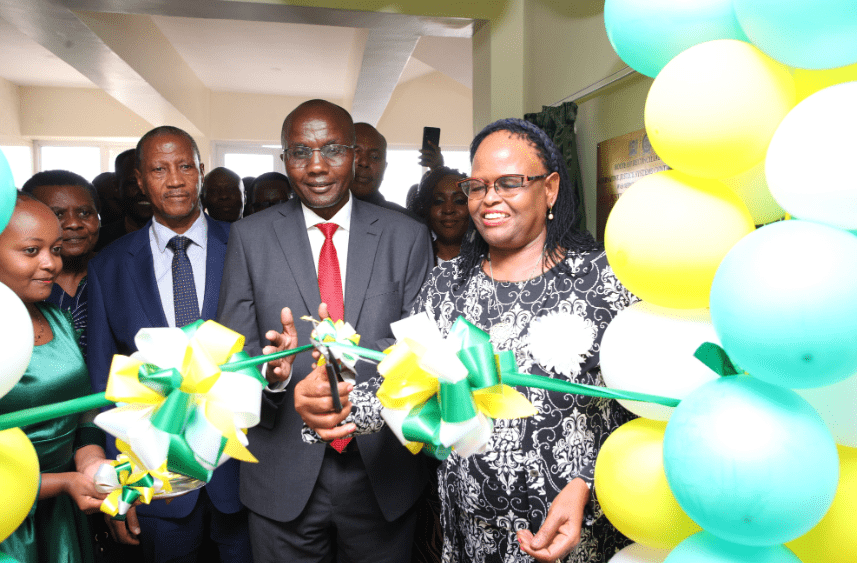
column 69, row 449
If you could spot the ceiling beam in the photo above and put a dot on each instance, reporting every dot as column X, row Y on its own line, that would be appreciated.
column 282, row 13
column 384, row 59
column 60, row 31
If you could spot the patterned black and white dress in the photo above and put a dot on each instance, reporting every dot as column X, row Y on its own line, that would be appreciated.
column 554, row 324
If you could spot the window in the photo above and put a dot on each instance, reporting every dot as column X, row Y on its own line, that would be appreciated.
column 20, row 159
column 248, row 159
column 87, row 159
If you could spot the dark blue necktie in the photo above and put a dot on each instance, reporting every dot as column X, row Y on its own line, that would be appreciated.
column 184, row 289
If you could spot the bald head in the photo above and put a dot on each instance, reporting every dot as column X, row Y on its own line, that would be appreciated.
column 370, row 158
column 313, row 107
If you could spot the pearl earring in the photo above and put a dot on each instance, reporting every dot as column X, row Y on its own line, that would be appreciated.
column 550, row 213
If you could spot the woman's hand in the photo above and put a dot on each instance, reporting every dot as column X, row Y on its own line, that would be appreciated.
column 560, row 532
column 82, row 491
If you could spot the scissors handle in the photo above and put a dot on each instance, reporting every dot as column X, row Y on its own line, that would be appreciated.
column 333, row 378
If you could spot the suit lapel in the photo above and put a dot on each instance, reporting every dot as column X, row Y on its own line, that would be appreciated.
column 362, row 246
column 218, row 236
column 141, row 268
column 290, row 229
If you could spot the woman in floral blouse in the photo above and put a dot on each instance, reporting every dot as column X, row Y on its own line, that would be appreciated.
column 545, row 291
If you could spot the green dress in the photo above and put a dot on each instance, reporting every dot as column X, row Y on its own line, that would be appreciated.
column 55, row 531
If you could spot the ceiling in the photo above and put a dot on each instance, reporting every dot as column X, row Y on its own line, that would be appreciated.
column 228, row 46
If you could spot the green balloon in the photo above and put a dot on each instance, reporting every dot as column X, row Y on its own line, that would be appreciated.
column 751, row 462
column 8, row 193
column 703, row 547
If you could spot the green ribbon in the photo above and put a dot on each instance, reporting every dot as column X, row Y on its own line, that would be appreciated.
column 716, row 359
column 128, row 494
column 239, row 363
column 456, row 401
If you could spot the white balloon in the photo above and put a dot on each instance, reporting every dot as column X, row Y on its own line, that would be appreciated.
column 649, row 349
column 639, row 553
column 16, row 339
column 752, row 188
column 837, row 405
column 807, row 155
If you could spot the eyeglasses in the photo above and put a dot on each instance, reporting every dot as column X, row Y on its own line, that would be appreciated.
column 335, row 155
column 505, row 186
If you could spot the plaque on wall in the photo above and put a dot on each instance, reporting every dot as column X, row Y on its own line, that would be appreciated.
column 622, row 161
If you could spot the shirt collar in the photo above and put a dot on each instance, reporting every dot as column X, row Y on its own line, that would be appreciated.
column 197, row 233
column 342, row 217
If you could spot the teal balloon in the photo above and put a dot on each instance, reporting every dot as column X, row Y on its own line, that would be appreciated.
column 750, row 462
column 8, row 193
column 783, row 304
column 703, row 547
column 647, row 34
column 813, row 34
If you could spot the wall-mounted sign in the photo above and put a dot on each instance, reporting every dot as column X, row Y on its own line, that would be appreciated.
column 622, row 161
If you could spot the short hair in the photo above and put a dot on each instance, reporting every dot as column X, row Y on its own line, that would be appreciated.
column 317, row 102
column 560, row 235
column 161, row 131
column 221, row 171
column 60, row 178
column 119, row 161
column 421, row 204
column 267, row 177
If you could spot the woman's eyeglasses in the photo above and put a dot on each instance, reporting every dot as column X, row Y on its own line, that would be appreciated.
column 505, row 186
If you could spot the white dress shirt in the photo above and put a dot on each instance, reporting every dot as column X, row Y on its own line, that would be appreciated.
column 162, row 257
column 316, row 240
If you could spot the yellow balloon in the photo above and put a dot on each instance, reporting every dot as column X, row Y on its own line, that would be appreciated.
column 668, row 233
column 713, row 109
column 19, row 479
column 632, row 488
column 834, row 538
column 808, row 82
column 752, row 187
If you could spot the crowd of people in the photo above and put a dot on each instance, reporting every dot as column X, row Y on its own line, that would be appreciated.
column 160, row 243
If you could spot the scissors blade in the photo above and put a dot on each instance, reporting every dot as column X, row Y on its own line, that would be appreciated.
column 333, row 377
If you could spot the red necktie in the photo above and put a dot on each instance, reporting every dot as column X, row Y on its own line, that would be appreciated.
column 330, row 289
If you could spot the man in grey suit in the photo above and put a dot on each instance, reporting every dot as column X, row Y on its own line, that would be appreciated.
column 310, row 502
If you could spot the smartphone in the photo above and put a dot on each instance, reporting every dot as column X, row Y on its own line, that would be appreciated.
column 431, row 134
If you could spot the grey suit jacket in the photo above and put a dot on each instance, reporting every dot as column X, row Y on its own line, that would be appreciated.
column 269, row 265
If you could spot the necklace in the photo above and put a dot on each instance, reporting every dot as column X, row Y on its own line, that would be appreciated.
column 40, row 335
column 500, row 331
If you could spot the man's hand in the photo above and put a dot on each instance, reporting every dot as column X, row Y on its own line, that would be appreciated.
column 560, row 532
column 315, row 405
column 280, row 370
column 127, row 531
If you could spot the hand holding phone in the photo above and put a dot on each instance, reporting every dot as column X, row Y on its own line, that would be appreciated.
column 430, row 155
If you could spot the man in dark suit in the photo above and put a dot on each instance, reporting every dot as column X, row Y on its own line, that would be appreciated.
column 310, row 502
column 370, row 162
column 154, row 277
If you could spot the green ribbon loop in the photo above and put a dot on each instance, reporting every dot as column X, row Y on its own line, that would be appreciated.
column 181, row 459
column 162, row 381
column 423, row 423
column 172, row 415
column 437, row 452
column 716, row 359
column 190, row 329
column 456, row 401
